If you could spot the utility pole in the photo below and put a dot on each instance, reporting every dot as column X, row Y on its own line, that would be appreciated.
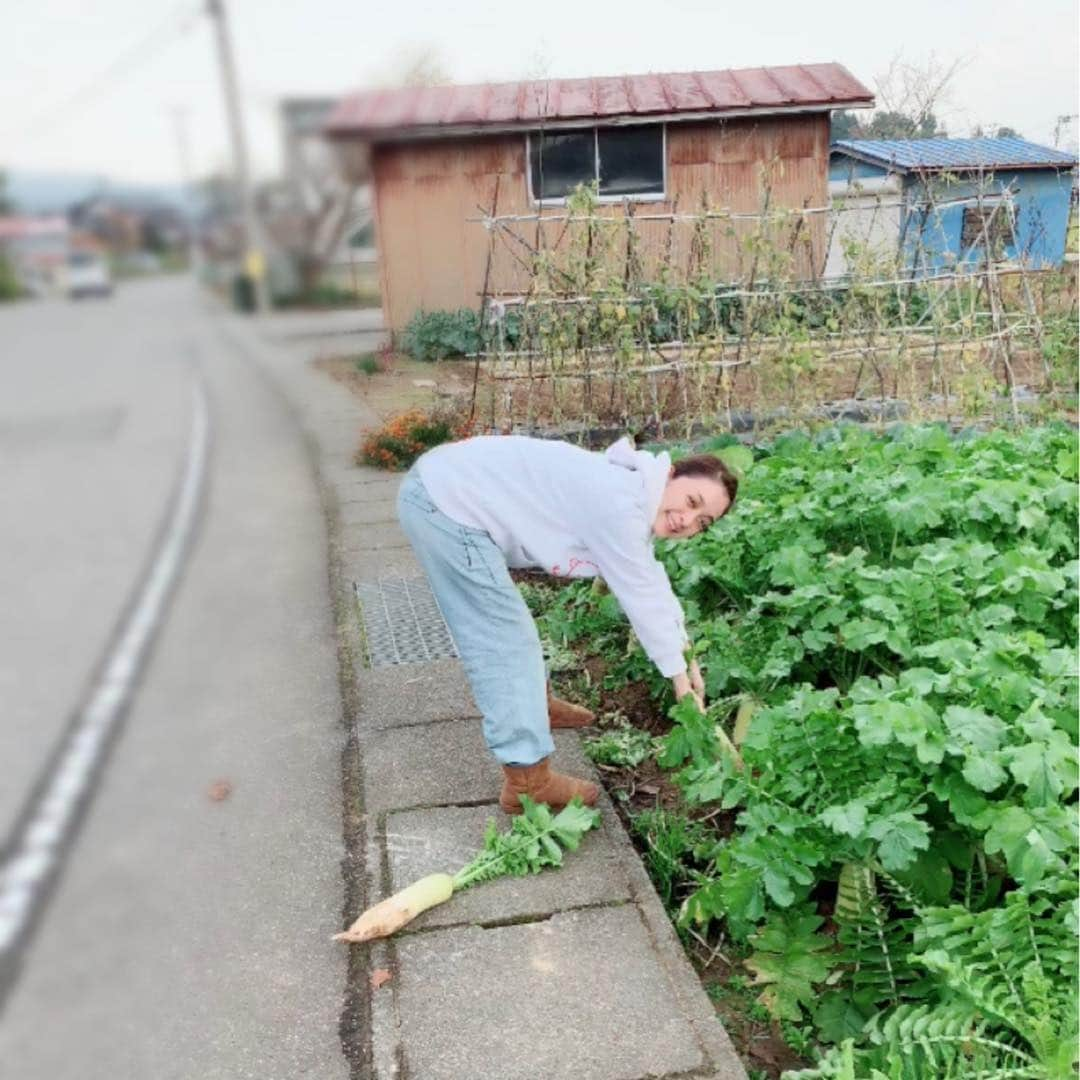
column 254, row 256
column 179, row 115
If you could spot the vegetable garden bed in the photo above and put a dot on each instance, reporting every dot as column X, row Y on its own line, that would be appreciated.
column 869, row 844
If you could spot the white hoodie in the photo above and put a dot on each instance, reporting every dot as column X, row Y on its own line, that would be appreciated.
column 572, row 513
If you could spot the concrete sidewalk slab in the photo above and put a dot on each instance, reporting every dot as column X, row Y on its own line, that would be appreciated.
column 367, row 495
column 366, row 490
column 362, row 565
column 380, row 511
column 373, row 537
column 404, row 695
column 348, row 343
column 344, row 433
column 340, row 472
column 422, row 842
column 361, row 475
column 441, row 764
column 579, row 995
column 315, row 325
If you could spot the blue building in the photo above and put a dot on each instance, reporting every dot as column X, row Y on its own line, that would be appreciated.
column 950, row 204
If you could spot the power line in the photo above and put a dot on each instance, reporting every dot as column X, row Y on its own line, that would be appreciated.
column 175, row 25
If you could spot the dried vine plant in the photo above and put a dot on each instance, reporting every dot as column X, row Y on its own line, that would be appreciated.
column 670, row 322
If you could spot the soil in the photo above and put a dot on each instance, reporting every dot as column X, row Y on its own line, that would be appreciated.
column 401, row 383
column 759, row 1042
column 761, row 1046
column 632, row 700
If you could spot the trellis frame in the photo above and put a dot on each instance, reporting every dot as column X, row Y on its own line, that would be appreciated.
column 575, row 280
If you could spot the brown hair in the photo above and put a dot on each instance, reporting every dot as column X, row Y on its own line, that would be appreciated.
column 712, row 468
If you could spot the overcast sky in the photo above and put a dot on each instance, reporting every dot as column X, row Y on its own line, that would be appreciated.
column 93, row 87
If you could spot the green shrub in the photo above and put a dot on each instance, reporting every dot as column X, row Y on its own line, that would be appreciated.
column 435, row 335
column 9, row 283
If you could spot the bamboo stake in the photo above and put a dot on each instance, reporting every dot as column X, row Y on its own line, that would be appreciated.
column 1029, row 299
column 484, row 299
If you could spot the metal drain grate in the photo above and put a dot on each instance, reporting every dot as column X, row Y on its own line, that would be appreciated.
column 403, row 622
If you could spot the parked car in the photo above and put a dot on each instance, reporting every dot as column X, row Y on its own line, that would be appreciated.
column 87, row 274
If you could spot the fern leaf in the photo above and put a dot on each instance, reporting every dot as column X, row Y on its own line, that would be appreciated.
column 875, row 941
column 1015, row 965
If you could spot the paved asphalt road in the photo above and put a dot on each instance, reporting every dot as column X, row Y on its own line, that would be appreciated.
column 185, row 936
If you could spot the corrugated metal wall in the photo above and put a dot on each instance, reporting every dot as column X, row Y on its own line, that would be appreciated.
column 1041, row 201
column 432, row 256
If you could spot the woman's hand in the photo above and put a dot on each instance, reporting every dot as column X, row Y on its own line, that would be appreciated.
column 683, row 685
column 696, row 681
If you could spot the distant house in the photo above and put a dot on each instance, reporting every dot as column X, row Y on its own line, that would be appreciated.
column 37, row 248
column 950, row 203
column 438, row 155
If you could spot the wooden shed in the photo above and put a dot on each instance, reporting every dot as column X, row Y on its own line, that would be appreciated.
column 442, row 157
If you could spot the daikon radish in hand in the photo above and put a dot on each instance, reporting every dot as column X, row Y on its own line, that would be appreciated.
column 536, row 839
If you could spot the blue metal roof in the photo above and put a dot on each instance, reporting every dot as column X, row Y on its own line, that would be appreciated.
column 909, row 154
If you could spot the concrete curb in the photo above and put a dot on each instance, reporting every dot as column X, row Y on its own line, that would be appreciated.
column 515, row 996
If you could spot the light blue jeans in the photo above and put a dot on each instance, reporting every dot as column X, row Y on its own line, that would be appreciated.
column 494, row 633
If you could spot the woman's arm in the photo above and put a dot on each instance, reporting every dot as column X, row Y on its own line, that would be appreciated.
column 615, row 536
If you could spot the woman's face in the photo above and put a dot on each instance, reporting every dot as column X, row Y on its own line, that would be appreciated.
column 689, row 504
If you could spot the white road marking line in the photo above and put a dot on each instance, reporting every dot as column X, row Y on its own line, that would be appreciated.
column 35, row 852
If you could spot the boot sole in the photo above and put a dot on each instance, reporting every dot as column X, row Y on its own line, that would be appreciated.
column 554, row 807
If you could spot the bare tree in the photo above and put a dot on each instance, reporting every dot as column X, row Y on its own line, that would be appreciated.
column 910, row 98
column 538, row 65
column 1065, row 124
column 917, row 90
column 418, row 65
column 425, row 68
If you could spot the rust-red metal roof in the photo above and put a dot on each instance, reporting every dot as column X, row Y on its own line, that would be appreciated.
column 445, row 110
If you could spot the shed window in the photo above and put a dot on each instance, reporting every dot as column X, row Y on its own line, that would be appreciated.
column 982, row 223
column 623, row 161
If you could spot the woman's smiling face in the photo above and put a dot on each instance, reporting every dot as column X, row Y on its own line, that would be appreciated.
column 688, row 505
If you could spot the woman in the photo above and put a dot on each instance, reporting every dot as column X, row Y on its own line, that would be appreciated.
column 472, row 509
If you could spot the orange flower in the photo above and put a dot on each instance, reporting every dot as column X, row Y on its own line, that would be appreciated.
column 404, row 437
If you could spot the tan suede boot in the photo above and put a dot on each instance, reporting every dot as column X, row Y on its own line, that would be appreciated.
column 543, row 786
column 562, row 714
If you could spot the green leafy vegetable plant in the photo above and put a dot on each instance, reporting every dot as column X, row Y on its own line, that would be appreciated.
column 620, row 745
column 887, row 624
